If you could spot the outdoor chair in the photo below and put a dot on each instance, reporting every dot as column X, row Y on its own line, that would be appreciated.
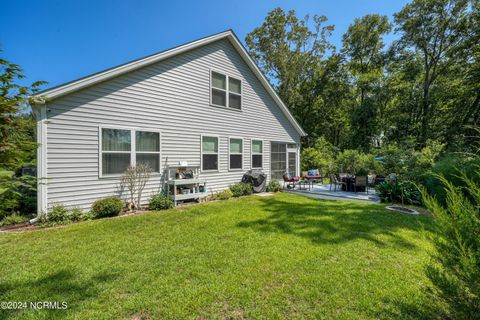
column 313, row 175
column 335, row 182
column 289, row 181
column 361, row 181
column 371, row 180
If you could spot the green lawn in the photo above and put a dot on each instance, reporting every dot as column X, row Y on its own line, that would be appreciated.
column 283, row 256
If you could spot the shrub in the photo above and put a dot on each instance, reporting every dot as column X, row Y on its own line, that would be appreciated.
column 241, row 189
column 223, row 195
column 18, row 194
column 273, row 186
column 320, row 156
column 354, row 161
column 455, row 270
column 134, row 179
column 160, row 201
column 107, row 207
column 76, row 215
column 408, row 163
column 12, row 220
column 59, row 214
column 392, row 192
column 448, row 168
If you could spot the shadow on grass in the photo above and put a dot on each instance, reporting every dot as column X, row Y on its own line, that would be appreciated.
column 426, row 308
column 336, row 222
column 63, row 285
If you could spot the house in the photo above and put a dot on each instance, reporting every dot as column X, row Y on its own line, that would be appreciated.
column 204, row 102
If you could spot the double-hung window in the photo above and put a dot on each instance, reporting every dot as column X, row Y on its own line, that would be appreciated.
column 226, row 91
column 121, row 148
column 147, row 149
column 209, row 153
column 257, row 154
column 235, row 153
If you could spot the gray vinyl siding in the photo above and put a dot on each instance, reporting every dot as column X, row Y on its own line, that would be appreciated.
column 172, row 96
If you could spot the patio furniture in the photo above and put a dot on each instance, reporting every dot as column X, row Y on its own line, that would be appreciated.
column 379, row 179
column 371, row 180
column 348, row 182
column 290, row 181
column 313, row 176
column 303, row 184
column 335, row 181
column 362, row 182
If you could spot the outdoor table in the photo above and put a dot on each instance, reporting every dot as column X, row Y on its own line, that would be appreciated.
column 349, row 183
column 305, row 183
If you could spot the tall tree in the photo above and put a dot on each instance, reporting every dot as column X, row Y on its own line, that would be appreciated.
column 436, row 31
column 16, row 125
column 363, row 48
column 17, row 142
column 291, row 52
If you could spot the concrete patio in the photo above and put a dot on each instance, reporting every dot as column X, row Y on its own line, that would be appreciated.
column 322, row 191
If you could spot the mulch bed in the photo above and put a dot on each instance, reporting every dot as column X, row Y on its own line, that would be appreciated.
column 19, row 227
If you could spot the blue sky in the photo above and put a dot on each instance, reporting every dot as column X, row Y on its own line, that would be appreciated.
column 58, row 41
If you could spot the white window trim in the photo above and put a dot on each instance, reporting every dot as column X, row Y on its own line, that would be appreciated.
column 242, row 154
column 226, row 90
column 218, row 152
column 132, row 152
column 252, row 153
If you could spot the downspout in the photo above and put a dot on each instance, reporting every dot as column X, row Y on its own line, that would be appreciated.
column 39, row 107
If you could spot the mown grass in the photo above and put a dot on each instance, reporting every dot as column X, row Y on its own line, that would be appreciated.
column 283, row 256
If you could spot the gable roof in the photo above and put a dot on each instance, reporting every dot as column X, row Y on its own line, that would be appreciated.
column 75, row 85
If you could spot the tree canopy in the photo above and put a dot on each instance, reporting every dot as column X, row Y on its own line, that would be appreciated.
column 422, row 87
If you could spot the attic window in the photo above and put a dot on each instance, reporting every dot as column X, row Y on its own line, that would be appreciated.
column 226, row 91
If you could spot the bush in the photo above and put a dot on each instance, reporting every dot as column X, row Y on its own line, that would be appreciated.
column 455, row 270
column 18, row 194
column 60, row 215
column 450, row 168
column 76, row 215
column 107, row 207
column 392, row 192
column 223, row 195
column 241, row 189
column 273, row 186
column 408, row 163
column 320, row 156
column 12, row 220
column 160, row 201
column 354, row 161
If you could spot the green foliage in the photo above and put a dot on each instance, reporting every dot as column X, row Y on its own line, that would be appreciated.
column 436, row 33
column 274, row 186
column 401, row 192
column 61, row 215
column 410, row 163
column 291, row 52
column 160, row 201
column 456, row 268
column 353, row 161
column 17, row 142
column 320, row 156
column 107, row 207
column 450, row 168
column 12, row 220
column 424, row 86
column 223, row 195
column 76, row 215
column 17, row 194
column 241, row 189
column 362, row 46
